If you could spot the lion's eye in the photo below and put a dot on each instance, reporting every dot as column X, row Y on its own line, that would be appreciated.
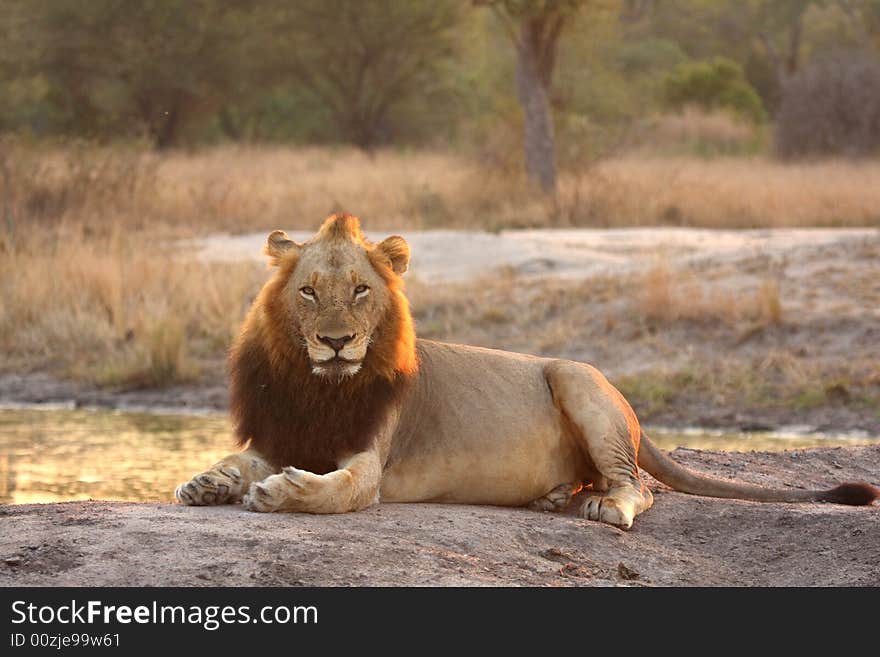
column 307, row 292
column 361, row 290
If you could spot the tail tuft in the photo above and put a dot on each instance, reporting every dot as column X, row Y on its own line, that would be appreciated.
column 855, row 494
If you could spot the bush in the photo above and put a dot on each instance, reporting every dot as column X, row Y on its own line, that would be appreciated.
column 714, row 84
column 832, row 107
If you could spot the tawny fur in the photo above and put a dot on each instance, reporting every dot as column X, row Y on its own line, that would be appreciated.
column 394, row 418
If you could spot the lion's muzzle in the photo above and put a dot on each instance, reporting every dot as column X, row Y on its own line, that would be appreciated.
column 336, row 344
column 336, row 357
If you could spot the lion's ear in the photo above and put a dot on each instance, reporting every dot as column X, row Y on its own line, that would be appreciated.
column 277, row 245
column 396, row 250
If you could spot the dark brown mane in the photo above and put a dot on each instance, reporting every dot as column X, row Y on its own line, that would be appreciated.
column 292, row 417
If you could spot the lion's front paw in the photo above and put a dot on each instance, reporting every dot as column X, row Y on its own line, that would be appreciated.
column 260, row 497
column 292, row 490
column 222, row 485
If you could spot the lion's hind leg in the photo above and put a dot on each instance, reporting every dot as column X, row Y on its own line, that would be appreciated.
column 557, row 499
column 607, row 430
column 225, row 482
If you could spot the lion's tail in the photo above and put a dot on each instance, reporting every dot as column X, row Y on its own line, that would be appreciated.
column 658, row 463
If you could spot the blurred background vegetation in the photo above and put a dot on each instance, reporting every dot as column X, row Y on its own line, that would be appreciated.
column 378, row 73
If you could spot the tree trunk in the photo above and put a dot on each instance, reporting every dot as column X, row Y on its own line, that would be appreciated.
column 166, row 132
column 229, row 125
column 785, row 67
column 540, row 144
column 794, row 47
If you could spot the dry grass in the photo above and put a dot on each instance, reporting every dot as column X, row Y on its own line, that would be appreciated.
column 666, row 296
column 725, row 193
column 240, row 189
column 116, row 309
column 695, row 130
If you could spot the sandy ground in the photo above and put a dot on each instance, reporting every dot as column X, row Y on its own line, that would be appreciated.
column 683, row 541
column 455, row 256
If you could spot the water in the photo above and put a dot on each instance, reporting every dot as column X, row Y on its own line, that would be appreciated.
column 61, row 455
column 55, row 456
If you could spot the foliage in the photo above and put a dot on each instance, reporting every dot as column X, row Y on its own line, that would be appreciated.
column 715, row 84
column 382, row 54
column 159, row 65
column 377, row 72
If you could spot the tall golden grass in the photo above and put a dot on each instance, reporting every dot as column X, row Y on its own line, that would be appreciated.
column 240, row 189
column 116, row 309
column 726, row 192
column 694, row 130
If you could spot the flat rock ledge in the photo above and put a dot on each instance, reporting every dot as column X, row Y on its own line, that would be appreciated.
column 683, row 541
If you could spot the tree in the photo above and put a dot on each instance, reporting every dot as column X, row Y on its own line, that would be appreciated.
column 181, row 59
column 156, row 64
column 534, row 27
column 784, row 18
column 362, row 59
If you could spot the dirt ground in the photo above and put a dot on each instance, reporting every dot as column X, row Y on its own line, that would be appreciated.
column 682, row 541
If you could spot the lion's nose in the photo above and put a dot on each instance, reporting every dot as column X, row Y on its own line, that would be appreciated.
column 336, row 343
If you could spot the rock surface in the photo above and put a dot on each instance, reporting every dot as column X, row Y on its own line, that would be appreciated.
column 683, row 541
column 577, row 253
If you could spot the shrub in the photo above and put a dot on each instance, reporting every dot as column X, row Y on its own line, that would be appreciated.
column 714, row 84
column 832, row 107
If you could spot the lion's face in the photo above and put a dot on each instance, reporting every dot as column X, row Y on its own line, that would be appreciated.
column 336, row 297
column 338, row 300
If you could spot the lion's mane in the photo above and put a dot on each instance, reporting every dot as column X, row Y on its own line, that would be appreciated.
column 293, row 417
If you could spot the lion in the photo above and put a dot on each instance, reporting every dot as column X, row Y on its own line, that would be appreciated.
column 337, row 406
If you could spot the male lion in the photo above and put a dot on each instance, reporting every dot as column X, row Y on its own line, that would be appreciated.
column 340, row 406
